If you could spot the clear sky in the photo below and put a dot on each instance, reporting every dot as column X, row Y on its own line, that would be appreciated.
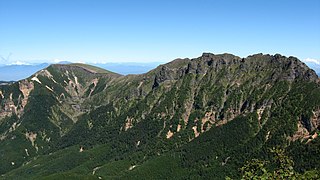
column 150, row 31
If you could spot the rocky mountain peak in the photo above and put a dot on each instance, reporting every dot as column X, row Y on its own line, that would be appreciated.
column 276, row 66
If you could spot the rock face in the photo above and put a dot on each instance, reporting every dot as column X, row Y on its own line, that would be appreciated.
column 215, row 105
column 14, row 100
column 25, row 87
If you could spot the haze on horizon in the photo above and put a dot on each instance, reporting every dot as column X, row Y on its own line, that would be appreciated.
column 100, row 31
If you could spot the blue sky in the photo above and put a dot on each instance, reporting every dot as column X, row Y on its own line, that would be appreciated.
column 152, row 31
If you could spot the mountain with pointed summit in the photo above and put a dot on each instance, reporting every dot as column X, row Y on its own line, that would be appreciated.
column 204, row 117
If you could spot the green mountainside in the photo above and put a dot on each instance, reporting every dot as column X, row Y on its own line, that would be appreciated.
column 188, row 119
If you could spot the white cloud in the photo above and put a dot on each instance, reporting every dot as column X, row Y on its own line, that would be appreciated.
column 57, row 60
column 312, row 61
column 19, row 63
column 81, row 62
column 99, row 62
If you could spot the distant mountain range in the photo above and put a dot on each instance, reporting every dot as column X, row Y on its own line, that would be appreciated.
column 21, row 71
column 128, row 68
column 18, row 72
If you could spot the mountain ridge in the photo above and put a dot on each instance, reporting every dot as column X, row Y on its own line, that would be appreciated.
column 174, row 106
